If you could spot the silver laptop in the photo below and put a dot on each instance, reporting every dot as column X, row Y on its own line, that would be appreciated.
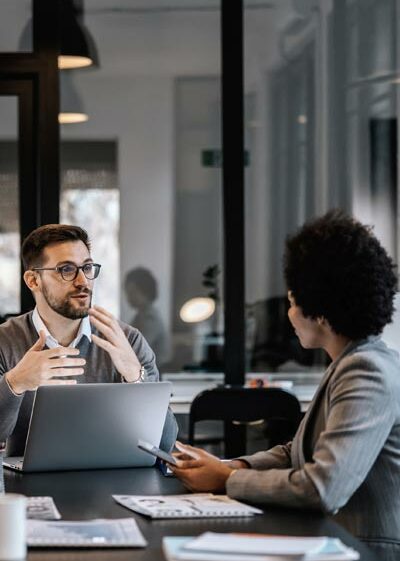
column 90, row 426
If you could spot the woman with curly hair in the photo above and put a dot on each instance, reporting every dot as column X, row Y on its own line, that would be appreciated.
column 345, row 456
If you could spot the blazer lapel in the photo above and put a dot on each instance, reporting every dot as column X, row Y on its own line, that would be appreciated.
column 297, row 451
column 298, row 459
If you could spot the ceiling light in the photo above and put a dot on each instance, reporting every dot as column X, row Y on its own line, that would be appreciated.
column 71, row 107
column 77, row 47
column 69, row 118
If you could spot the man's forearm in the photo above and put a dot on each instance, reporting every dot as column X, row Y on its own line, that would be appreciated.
column 12, row 381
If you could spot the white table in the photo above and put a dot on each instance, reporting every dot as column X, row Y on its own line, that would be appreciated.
column 186, row 385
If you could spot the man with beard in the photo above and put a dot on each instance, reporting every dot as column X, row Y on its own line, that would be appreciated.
column 65, row 340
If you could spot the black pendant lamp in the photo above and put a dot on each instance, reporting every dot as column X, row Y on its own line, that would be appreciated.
column 77, row 47
column 72, row 109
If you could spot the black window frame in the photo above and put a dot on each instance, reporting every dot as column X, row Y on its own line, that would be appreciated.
column 33, row 79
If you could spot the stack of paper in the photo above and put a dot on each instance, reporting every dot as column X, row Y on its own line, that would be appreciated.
column 256, row 547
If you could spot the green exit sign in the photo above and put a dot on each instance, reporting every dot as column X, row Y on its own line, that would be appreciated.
column 212, row 158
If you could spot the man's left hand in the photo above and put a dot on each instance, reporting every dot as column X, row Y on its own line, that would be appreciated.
column 202, row 472
column 115, row 343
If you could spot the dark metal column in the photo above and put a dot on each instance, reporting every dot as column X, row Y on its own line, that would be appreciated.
column 233, row 188
column 46, row 47
column 233, row 205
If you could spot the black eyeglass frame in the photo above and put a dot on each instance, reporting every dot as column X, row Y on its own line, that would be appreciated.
column 59, row 268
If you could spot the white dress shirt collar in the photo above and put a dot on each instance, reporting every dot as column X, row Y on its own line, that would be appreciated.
column 51, row 342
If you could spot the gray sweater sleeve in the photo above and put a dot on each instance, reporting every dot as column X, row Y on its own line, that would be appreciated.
column 9, row 405
column 143, row 352
column 360, row 418
column 147, row 359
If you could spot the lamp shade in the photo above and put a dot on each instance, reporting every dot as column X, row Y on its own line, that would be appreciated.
column 71, row 106
column 77, row 47
column 197, row 309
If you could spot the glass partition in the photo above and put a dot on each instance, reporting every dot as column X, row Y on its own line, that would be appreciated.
column 155, row 96
column 9, row 209
column 321, row 131
column 15, row 26
column 89, row 190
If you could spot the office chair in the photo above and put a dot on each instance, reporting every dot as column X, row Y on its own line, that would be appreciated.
column 239, row 407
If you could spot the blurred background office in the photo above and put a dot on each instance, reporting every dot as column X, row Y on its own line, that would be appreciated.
column 141, row 169
column 141, row 289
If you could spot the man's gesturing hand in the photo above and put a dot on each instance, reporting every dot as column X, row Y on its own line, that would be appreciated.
column 41, row 367
column 115, row 343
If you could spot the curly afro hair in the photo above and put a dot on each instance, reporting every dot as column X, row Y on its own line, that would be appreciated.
column 337, row 269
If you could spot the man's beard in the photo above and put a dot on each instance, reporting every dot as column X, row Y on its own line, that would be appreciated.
column 64, row 307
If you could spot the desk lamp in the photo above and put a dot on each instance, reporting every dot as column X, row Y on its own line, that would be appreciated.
column 208, row 344
column 196, row 310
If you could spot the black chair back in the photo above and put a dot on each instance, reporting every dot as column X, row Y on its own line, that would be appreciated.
column 240, row 406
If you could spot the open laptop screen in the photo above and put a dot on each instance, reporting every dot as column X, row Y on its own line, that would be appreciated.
column 89, row 426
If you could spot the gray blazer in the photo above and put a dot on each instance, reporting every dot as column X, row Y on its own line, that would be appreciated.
column 345, row 456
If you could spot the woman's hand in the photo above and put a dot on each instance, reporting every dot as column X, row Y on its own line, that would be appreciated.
column 200, row 471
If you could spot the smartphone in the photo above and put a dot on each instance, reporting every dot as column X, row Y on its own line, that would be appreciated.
column 164, row 468
column 147, row 447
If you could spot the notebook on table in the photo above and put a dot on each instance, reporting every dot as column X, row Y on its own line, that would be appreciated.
column 199, row 505
column 90, row 426
column 122, row 532
column 256, row 547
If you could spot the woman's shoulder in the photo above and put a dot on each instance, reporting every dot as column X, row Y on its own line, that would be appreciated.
column 370, row 359
column 372, row 350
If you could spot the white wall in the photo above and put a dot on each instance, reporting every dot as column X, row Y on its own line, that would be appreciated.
column 138, row 113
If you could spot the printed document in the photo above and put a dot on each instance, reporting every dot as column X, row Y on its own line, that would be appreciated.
column 122, row 532
column 42, row 508
column 193, row 505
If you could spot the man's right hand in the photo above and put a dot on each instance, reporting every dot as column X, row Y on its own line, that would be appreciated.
column 40, row 367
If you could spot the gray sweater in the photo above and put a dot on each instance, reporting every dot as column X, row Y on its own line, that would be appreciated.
column 18, row 334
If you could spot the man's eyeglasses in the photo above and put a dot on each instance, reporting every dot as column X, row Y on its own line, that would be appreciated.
column 70, row 271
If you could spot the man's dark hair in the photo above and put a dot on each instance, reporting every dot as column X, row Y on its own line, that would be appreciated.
column 50, row 234
column 337, row 269
column 144, row 280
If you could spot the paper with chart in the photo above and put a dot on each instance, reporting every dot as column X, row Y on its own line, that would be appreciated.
column 42, row 508
column 193, row 505
column 121, row 532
